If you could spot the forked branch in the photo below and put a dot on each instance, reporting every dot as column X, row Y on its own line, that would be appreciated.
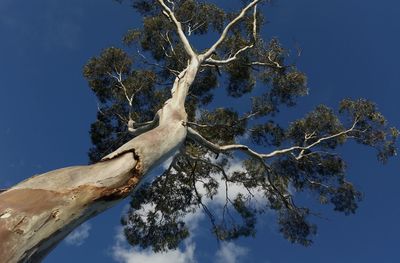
column 243, row 49
column 171, row 15
column 228, row 28
column 286, row 198
column 197, row 137
column 136, row 129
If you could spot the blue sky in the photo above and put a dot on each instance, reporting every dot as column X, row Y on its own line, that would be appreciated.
column 349, row 49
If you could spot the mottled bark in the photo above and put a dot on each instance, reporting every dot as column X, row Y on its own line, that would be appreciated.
column 39, row 212
column 36, row 214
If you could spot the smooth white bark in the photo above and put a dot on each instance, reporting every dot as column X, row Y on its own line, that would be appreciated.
column 36, row 214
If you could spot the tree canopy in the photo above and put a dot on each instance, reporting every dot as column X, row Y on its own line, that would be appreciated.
column 227, row 148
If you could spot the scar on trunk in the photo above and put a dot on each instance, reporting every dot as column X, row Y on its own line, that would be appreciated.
column 124, row 190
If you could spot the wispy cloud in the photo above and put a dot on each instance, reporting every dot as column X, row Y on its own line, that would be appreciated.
column 230, row 253
column 79, row 235
column 233, row 188
column 124, row 254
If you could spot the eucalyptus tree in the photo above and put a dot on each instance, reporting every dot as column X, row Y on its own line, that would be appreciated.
column 159, row 104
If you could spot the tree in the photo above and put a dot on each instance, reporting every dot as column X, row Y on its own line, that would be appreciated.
column 132, row 90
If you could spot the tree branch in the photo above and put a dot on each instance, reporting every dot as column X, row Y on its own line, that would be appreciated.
column 197, row 137
column 230, row 59
column 235, row 56
column 118, row 78
column 269, row 64
column 199, row 199
column 230, row 125
column 136, row 129
column 171, row 15
column 227, row 28
column 289, row 204
column 146, row 61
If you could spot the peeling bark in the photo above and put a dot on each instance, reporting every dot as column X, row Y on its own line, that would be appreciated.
column 39, row 212
column 36, row 214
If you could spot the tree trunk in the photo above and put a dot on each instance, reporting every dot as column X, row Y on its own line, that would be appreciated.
column 36, row 214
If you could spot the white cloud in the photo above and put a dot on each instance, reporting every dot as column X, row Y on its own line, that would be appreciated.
column 192, row 220
column 230, row 253
column 233, row 188
column 243, row 139
column 168, row 160
column 121, row 252
column 197, row 114
column 227, row 252
column 79, row 235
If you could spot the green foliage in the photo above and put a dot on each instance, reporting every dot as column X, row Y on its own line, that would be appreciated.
column 320, row 122
column 369, row 129
column 203, row 17
column 199, row 178
column 109, row 130
column 222, row 125
column 267, row 134
column 161, row 226
column 294, row 226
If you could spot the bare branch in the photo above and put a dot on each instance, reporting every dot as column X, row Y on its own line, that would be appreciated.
column 139, row 128
column 167, row 39
column 230, row 59
column 197, row 137
column 118, row 78
column 235, row 56
column 286, row 198
column 171, row 15
column 195, row 27
column 217, row 149
column 172, row 3
column 312, row 182
column 273, row 61
column 269, row 64
column 129, row 99
column 228, row 27
column 325, row 139
column 145, row 60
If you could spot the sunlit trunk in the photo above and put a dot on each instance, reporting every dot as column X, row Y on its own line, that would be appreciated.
column 36, row 214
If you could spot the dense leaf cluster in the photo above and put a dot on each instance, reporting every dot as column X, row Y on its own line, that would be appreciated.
column 199, row 179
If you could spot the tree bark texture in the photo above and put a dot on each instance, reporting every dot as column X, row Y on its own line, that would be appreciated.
column 36, row 214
